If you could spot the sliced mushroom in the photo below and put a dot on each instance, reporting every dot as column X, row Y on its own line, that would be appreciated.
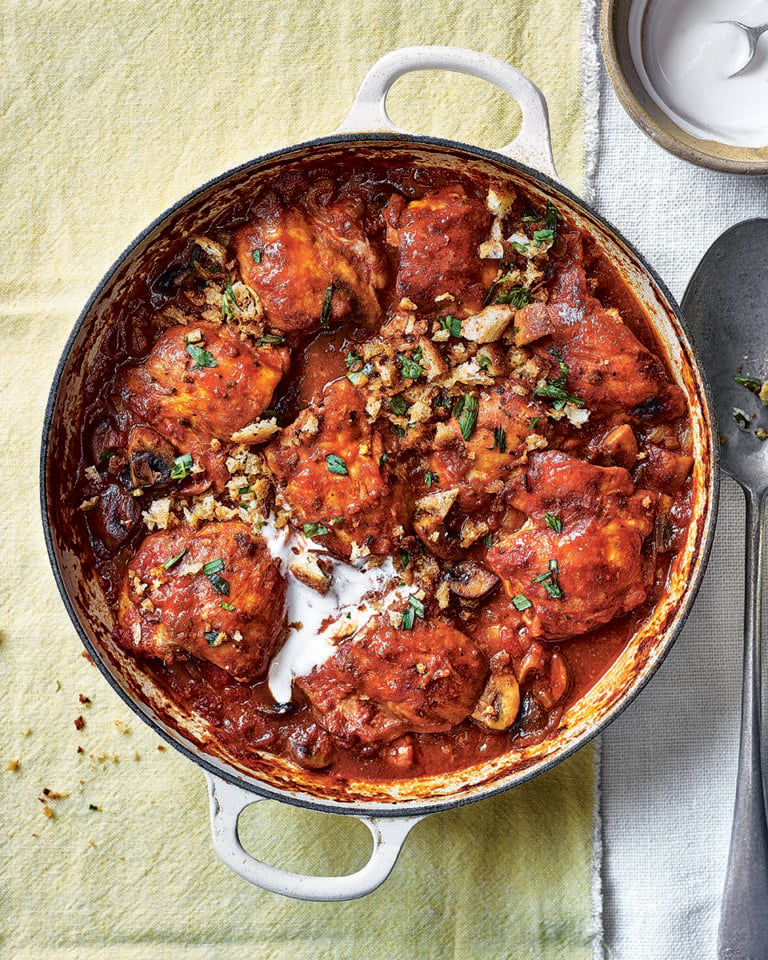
column 471, row 581
column 150, row 458
column 429, row 522
column 499, row 702
column 311, row 747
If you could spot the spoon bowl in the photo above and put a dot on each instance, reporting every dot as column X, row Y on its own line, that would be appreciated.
column 752, row 34
column 726, row 305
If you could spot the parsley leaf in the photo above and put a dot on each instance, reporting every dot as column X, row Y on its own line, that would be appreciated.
column 325, row 312
column 314, row 529
column 558, row 395
column 751, row 384
column 451, row 324
column 499, row 439
column 414, row 609
column 172, row 560
column 409, row 368
column 336, row 464
column 202, row 358
column 219, row 584
column 553, row 522
column 519, row 296
column 741, row 418
column 398, row 406
column 182, row 467
column 468, row 416
column 548, row 580
column 521, row 602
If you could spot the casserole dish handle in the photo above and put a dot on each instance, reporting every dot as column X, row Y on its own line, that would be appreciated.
column 533, row 144
column 227, row 803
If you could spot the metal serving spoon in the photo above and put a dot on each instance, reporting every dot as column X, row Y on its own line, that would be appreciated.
column 753, row 35
column 726, row 305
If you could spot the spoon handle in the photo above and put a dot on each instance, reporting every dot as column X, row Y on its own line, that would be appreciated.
column 744, row 919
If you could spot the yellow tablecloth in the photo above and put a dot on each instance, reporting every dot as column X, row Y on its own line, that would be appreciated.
column 110, row 112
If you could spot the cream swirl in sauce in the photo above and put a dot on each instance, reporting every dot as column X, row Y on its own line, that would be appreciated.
column 319, row 622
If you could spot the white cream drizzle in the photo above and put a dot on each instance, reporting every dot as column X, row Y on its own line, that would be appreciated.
column 684, row 54
column 317, row 622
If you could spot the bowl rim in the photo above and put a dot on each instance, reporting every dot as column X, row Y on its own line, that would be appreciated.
column 649, row 117
column 416, row 806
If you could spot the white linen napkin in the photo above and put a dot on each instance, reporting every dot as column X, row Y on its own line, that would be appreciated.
column 669, row 762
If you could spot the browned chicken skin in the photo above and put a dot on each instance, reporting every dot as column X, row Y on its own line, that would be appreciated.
column 385, row 682
column 480, row 466
column 438, row 240
column 578, row 558
column 608, row 368
column 330, row 470
column 293, row 259
column 203, row 390
column 231, row 613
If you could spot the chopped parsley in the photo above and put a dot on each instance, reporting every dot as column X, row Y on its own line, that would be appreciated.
column 750, row 383
column 201, row 357
column 467, row 416
column 229, row 304
column 219, row 584
column 553, row 522
column 484, row 360
column 430, row 478
column 741, row 418
column 226, row 606
column 499, row 439
column 398, row 406
column 336, row 464
column 173, row 560
column 182, row 467
column 352, row 358
column 314, row 529
column 414, row 609
column 256, row 255
column 521, row 602
column 325, row 312
column 548, row 580
column 405, row 559
column 488, row 540
column 519, row 296
column 270, row 340
column 535, row 422
column 553, row 389
column 543, row 236
column 451, row 324
column 211, row 636
column 409, row 368
column 549, row 233
column 211, row 570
